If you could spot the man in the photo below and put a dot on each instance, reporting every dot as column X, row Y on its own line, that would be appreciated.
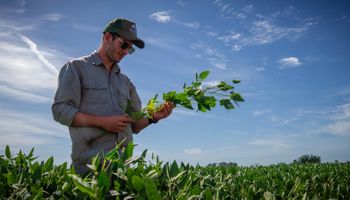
column 92, row 95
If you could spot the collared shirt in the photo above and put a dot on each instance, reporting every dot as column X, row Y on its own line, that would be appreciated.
column 84, row 85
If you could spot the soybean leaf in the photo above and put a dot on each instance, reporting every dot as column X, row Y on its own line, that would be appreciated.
column 82, row 186
column 137, row 182
column 48, row 166
column 151, row 189
column 236, row 97
column 103, row 180
column 203, row 75
column 8, row 152
column 128, row 151
column 236, row 81
column 227, row 104
column 223, row 86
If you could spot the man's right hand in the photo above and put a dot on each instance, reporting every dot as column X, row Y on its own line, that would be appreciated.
column 113, row 123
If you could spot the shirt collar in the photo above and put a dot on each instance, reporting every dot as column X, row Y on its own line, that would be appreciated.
column 96, row 60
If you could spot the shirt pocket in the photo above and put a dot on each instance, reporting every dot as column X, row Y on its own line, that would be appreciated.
column 95, row 93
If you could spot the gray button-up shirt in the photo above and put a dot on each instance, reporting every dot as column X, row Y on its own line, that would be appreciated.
column 84, row 85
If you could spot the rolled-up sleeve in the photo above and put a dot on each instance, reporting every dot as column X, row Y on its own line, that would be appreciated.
column 68, row 95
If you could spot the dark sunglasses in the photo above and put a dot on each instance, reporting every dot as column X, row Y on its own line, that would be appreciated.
column 124, row 45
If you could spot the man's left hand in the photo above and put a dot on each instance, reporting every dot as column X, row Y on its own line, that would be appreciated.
column 164, row 112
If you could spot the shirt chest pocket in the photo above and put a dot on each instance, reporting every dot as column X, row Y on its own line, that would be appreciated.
column 95, row 93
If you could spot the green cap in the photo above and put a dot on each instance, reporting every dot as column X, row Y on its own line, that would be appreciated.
column 126, row 29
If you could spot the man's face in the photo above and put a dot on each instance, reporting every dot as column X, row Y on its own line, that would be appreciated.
column 117, row 48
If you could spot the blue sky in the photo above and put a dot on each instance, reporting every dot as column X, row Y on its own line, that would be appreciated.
column 290, row 55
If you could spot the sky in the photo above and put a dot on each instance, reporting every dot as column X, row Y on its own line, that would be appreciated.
column 291, row 57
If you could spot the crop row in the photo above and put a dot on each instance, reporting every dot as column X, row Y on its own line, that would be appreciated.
column 119, row 175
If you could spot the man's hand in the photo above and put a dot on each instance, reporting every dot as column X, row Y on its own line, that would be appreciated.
column 115, row 123
column 164, row 112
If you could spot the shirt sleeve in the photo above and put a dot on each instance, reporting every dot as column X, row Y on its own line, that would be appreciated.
column 68, row 95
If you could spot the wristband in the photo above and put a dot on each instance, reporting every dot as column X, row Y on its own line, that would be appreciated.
column 152, row 121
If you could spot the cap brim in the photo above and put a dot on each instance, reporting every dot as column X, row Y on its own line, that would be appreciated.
column 139, row 43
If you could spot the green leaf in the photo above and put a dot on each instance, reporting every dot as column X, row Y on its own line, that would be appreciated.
column 103, row 180
column 11, row 178
column 236, row 97
column 8, row 152
column 169, row 96
column 203, row 75
column 227, row 104
column 48, row 166
column 137, row 182
column 236, row 81
column 151, row 189
column 128, row 151
column 82, row 186
column 223, row 86
column 39, row 194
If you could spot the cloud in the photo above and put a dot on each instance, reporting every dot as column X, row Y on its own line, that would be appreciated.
column 86, row 27
column 33, row 48
column 229, row 38
column 164, row 17
column 263, row 32
column 289, row 62
column 257, row 113
column 275, row 144
column 54, row 17
column 191, row 24
column 213, row 56
column 181, row 3
column 340, row 117
column 13, row 6
column 161, row 16
column 260, row 29
column 340, row 128
column 193, row 151
column 25, row 128
column 30, row 77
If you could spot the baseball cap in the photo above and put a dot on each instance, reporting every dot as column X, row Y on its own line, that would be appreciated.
column 126, row 29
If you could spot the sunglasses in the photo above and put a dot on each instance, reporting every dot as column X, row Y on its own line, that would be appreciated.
column 124, row 45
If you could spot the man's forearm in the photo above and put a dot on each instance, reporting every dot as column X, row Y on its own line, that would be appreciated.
column 139, row 125
column 83, row 119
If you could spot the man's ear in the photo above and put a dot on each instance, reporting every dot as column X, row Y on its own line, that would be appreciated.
column 107, row 37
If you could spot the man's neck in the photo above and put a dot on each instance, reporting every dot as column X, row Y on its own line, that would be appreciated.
column 108, row 64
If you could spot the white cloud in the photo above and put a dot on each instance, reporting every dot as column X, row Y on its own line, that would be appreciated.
column 230, row 37
column 191, row 24
column 257, row 113
column 181, row 3
column 289, row 62
column 275, row 144
column 86, row 27
column 13, row 6
column 193, row 151
column 34, row 49
column 214, row 57
column 30, row 77
column 54, row 17
column 341, row 128
column 162, row 16
column 24, row 128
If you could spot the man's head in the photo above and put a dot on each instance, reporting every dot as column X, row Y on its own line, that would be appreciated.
column 119, row 36
column 126, row 29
